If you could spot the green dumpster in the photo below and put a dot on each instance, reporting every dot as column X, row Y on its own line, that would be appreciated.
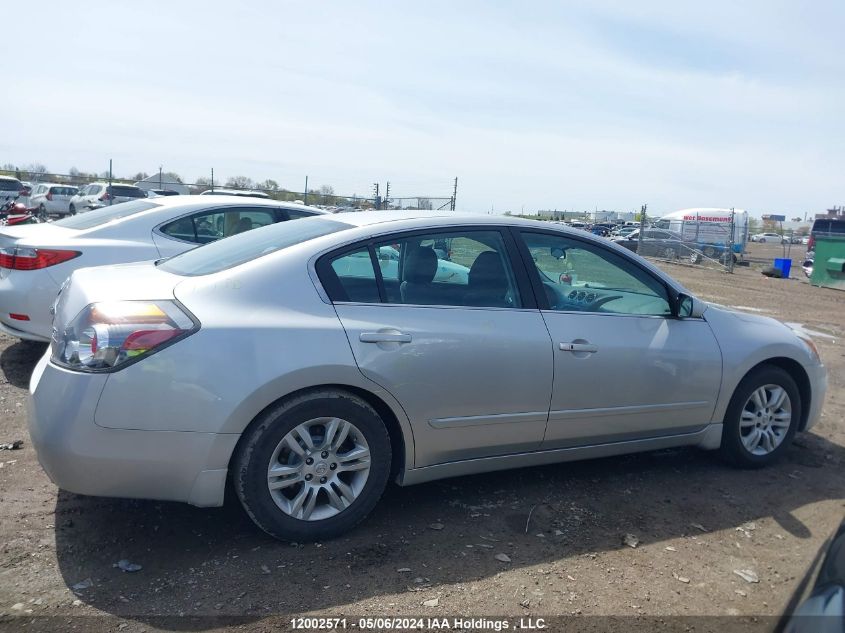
column 829, row 263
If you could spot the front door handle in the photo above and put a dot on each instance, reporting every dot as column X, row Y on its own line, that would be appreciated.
column 384, row 337
column 579, row 347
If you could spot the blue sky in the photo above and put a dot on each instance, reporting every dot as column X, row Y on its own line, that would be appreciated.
column 541, row 104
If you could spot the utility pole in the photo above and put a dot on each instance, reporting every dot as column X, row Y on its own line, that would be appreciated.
column 212, row 180
column 454, row 194
column 642, row 229
column 110, row 178
column 387, row 195
column 159, row 178
column 730, row 253
column 305, row 198
column 376, row 198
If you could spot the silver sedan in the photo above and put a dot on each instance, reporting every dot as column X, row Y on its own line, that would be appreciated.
column 312, row 361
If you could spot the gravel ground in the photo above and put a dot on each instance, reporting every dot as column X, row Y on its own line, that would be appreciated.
column 561, row 528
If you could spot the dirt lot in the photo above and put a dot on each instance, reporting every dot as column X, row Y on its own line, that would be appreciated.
column 696, row 521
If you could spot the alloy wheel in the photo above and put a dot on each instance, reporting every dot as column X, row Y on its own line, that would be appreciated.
column 319, row 469
column 765, row 419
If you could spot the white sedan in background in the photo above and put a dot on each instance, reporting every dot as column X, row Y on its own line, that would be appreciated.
column 35, row 259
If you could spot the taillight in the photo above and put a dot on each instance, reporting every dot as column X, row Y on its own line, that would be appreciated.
column 49, row 196
column 811, row 243
column 18, row 258
column 106, row 336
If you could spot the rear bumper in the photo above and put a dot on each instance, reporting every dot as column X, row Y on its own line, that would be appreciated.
column 28, row 292
column 84, row 458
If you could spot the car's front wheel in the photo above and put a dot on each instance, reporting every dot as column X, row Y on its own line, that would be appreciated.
column 314, row 466
column 72, row 210
column 762, row 418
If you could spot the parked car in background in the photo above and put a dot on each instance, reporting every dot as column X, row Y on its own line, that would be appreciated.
column 308, row 389
column 655, row 243
column 10, row 188
column 152, row 193
column 763, row 238
column 52, row 199
column 101, row 194
column 246, row 193
column 35, row 260
column 825, row 226
column 624, row 231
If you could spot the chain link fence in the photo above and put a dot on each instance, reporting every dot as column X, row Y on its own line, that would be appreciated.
column 166, row 183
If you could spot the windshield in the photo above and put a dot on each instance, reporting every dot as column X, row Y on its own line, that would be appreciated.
column 90, row 219
column 244, row 247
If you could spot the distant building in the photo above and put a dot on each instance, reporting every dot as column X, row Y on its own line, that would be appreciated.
column 167, row 181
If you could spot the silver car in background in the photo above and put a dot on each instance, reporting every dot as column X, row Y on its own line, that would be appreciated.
column 102, row 194
column 51, row 199
column 36, row 258
column 301, row 362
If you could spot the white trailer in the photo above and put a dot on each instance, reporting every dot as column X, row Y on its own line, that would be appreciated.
column 709, row 228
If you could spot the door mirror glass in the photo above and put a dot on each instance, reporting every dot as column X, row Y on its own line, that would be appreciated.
column 689, row 307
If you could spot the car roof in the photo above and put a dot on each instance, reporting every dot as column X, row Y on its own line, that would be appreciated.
column 9, row 178
column 206, row 200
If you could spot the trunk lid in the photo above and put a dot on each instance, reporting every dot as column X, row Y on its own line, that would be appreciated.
column 109, row 283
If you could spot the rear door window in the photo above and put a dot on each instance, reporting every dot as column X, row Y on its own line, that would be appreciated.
column 463, row 268
column 209, row 226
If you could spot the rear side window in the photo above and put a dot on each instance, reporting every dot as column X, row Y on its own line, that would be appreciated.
column 90, row 219
column 356, row 277
column 126, row 192
column 239, row 249
column 10, row 185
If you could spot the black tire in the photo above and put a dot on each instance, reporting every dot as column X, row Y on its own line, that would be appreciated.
column 42, row 213
column 256, row 446
column 709, row 251
column 732, row 449
column 72, row 210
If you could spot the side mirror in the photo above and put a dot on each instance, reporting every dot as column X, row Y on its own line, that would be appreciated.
column 557, row 252
column 689, row 307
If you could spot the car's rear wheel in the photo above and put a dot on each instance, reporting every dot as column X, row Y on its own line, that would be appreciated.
column 314, row 466
column 72, row 210
column 42, row 213
column 762, row 418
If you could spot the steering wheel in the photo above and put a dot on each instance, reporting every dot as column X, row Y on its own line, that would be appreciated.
column 600, row 301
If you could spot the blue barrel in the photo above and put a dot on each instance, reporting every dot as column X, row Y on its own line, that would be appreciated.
column 784, row 266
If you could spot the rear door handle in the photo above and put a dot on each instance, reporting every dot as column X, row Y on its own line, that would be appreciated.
column 579, row 347
column 384, row 337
